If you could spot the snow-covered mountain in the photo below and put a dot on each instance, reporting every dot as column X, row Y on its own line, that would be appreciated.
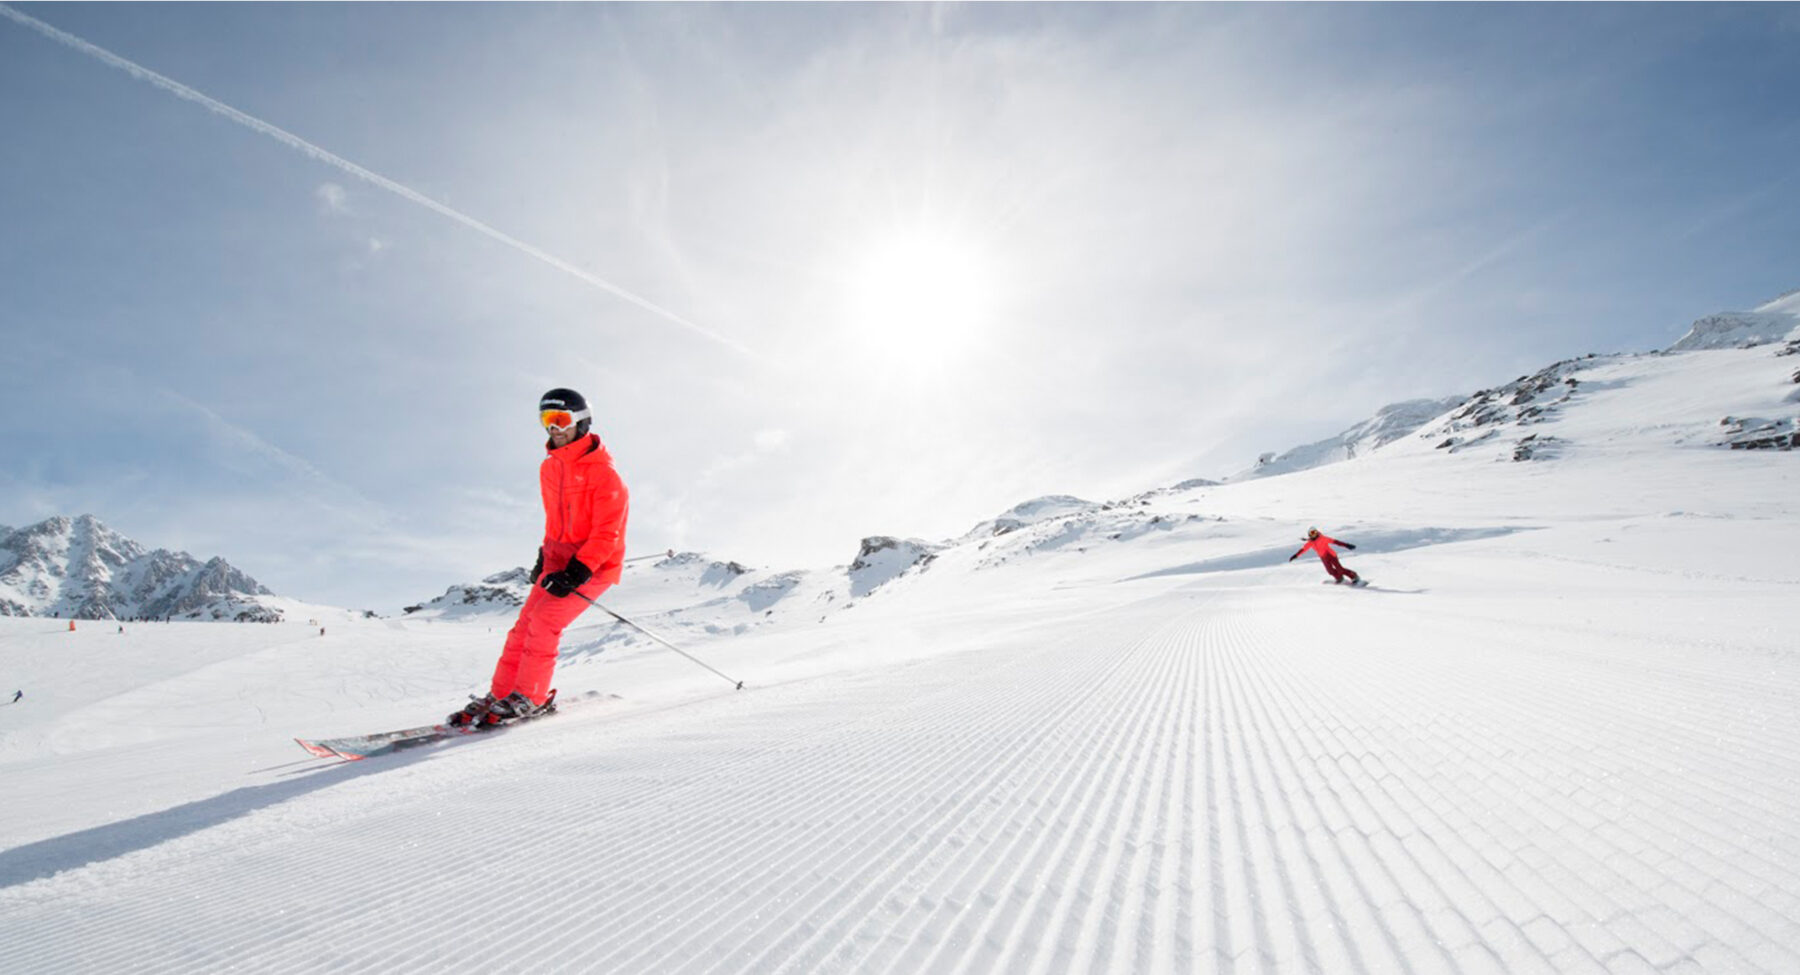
column 1556, row 734
column 504, row 590
column 1738, row 394
column 677, row 579
column 1774, row 321
column 691, row 592
column 1526, row 401
column 77, row 568
column 881, row 560
column 1028, row 513
column 1389, row 424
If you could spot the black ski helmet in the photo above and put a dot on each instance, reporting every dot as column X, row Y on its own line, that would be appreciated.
column 567, row 399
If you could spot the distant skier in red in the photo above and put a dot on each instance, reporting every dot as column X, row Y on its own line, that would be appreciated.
column 585, row 505
column 1321, row 544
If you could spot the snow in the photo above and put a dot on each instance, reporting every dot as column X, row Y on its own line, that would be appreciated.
column 1788, row 303
column 80, row 568
column 1390, row 423
column 1773, row 321
column 882, row 560
column 1558, row 732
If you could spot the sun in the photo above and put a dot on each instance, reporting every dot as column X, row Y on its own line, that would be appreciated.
column 920, row 296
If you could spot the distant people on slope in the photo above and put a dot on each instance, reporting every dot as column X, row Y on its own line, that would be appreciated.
column 1321, row 544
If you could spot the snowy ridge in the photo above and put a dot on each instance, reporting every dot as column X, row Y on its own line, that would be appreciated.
column 692, row 576
column 881, row 560
column 1781, row 429
column 1524, row 402
column 505, row 590
column 1557, row 734
column 1389, row 424
column 1736, row 330
column 1503, row 420
column 1031, row 512
column 1774, row 321
column 1485, row 416
column 80, row 569
column 1537, row 417
column 1667, row 399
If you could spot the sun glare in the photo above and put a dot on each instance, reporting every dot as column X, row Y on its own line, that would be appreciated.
column 920, row 297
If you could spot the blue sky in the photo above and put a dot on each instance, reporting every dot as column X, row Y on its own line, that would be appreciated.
column 937, row 259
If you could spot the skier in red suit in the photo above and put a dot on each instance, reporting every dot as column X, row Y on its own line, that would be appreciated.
column 585, row 505
column 1321, row 544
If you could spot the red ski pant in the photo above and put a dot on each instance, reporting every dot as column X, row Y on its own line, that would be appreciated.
column 529, row 658
column 1336, row 568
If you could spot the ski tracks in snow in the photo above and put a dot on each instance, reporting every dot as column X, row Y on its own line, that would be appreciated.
column 1197, row 782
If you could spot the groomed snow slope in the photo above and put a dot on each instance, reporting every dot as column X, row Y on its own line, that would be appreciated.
column 1561, row 732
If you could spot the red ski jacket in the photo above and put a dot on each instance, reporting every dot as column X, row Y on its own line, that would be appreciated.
column 585, row 505
column 1321, row 545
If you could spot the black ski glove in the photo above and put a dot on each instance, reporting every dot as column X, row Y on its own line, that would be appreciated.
column 560, row 584
column 537, row 568
column 1348, row 545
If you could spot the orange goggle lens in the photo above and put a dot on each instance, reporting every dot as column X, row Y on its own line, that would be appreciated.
column 556, row 419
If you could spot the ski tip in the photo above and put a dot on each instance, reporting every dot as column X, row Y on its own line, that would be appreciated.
column 317, row 751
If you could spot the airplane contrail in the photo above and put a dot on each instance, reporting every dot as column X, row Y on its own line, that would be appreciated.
column 291, row 140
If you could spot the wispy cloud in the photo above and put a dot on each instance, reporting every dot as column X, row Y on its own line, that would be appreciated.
column 768, row 441
column 333, row 198
column 316, row 486
column 1206, row 236
column 293, row 141
column 1502, row 249
column 762, row 444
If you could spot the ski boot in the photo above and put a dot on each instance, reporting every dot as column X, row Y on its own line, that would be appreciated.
column 516, row 707
column 472, row 712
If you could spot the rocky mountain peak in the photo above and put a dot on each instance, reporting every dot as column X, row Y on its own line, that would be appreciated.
column 81, row 569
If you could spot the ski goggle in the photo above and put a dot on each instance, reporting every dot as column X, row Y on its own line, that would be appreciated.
column 561, row 419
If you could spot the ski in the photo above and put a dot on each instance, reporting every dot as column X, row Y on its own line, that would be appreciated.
column 355, row 748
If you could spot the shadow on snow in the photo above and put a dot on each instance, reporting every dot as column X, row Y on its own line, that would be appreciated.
column 1367, row 543
column 46, row 858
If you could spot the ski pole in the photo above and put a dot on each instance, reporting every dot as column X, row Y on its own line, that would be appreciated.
column 653, row 555
column 658, row 639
